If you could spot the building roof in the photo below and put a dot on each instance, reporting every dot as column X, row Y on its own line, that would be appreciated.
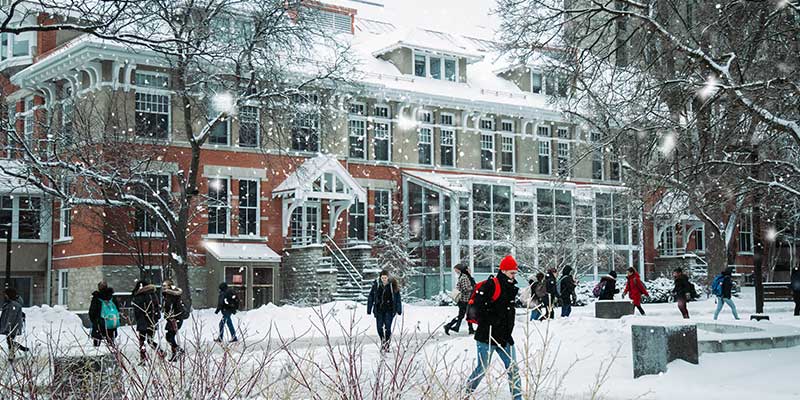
column 252, row 252
column 14, row 184
column 299, row 183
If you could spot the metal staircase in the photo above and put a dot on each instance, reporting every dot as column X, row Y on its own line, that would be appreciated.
column 350, row 285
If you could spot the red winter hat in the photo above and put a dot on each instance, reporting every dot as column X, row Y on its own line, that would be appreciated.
column 508, row 264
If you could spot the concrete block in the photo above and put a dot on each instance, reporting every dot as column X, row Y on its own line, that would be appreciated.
column 655, row 346
column 612, row 309
column 84, row 375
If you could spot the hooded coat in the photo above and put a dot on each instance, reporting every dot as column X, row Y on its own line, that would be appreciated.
column 496, row 318
column 381, row 301
column 12, row 318
column 95, row 309
column 609, row 288
column 635, row 288
column 146, row 308
column 227, row 301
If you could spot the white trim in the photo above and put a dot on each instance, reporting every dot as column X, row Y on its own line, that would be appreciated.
column 227, row 207
column 99, row 255
column 63, row 290
column 258, row 207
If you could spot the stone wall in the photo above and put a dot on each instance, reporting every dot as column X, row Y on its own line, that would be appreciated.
column 300, row 280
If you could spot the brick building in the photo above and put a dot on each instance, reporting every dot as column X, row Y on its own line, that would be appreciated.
column 466, row 148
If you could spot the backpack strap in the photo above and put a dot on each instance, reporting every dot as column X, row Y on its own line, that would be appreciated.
column 496, row 294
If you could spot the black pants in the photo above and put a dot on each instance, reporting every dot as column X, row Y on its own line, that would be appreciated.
column 548, row 304
column 796, row 303
column 147, row 336
column 109, row 335
column 639, row 307
column 455, row 324
column 172, row 329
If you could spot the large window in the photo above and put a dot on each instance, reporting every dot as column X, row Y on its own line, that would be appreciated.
column 615, row 174
column 220, row 132
column 304, row 225
column 435, row 67
column 63, row 287
column 536, row 82
column 23, row 214
column 248, row 208
column 152, row 107
column 67, row 119
column 249, row 127
column 218, row 207
column 263, row 286
column 507, row 154
column 381, row 128
column 157, row 186
column 357, row 222
column 612, row 219
column 746, row 233
column 383, row 207
column 29, row 122
column 305, row 123
column 425, row 138
column 65, row 215
column 554, row 210
column 544, row 157
column 491, row 222
column 423, row 213
column 487, row 151
column 357, row 127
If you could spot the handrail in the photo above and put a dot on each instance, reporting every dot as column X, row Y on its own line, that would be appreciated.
column 352, row 271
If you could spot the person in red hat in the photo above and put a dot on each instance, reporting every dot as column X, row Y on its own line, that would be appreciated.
column 496, row 302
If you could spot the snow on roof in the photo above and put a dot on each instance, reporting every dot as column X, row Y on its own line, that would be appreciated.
column 313, row 168
column 425, row 39
column 13, row 184
column 226, row 251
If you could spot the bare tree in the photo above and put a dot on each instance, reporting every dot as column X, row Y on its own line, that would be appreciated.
column 220, row 56
column 692, row 96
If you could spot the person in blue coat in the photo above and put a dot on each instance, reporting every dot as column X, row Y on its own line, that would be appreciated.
column 384, row 302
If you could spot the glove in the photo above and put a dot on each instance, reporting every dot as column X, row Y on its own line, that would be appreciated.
column 216, row 311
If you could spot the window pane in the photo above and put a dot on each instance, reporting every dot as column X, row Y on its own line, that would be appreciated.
column 450, row 70
column 419, row 65
column 481, row 195
column 544, row 201
column 502, row 198
column 436, row 68
column 536, row 82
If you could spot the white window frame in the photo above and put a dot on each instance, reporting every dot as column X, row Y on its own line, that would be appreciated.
column 544, row 151
column 63, row 289
column 65, row 215
column 305, row 237
column 244, row 119
column 388, row 216
column 156, row 232
column 562, row 132
column 154, row 91
column 351, row 214
column 357, row 123
column 597, row 154
column 507, row 145
column 447, row 139
column 442, row 69
column 544, row 129
column 425, row 137
column 30, row 121
column 226, row 207
column 564, row 153
column 746, row 222
column 503, row 124
column 257, row 208
column 541, row 82
column 15, row 218
column 490, row 123
column 383, row 121
column 487, row 144
column 447, row 119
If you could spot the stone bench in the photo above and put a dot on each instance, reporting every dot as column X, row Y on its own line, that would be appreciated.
column 654, row 346
column 87, row 375
column 612, row 309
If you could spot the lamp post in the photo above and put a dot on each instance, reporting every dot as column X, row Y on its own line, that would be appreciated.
column 758, row 242
column 8, row 231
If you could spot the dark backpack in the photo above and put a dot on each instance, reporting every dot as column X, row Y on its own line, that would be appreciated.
column 473, row 309
column 598, row 289
column 232, row 300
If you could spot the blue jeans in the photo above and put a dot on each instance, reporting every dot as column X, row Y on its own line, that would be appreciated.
column 729, row 302
column 226, row 320
column 566, row 308
column 384, row 322
column 508, row 355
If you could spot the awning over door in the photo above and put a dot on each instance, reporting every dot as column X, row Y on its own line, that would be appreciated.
column 239, row 252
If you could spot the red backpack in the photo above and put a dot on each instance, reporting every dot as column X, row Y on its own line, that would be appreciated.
column 472, row 308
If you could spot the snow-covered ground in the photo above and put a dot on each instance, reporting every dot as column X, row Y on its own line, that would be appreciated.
column 580, row 346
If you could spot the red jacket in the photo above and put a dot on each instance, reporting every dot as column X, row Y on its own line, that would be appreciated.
column 635, row 289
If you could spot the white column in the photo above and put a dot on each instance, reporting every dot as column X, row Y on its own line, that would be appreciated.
column 455, row 236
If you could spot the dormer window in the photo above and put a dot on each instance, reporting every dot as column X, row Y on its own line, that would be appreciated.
column 435, row 66
column 536, row 82
column 335, row 22
column 548, row 84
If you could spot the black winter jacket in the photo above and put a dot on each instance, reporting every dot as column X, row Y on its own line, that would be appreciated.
column 381, row 301
column 795, row 281
column 609, row 288
column 146, row 308
column 95, row 308
column 550, row 283
column 683, row 288
column 727, row 287
column 496, row 318
column 567, row 285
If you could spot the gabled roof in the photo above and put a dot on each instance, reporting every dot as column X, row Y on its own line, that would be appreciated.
column 300, row 182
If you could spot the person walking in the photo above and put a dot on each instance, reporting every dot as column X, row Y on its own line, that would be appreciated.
column 465, row 285
column 795, row 285
column 635, row 289
column 146, row 312
column 723, row 292
column 227, row 304
column 384, row 302
column 551, row 290
column 174, row 314
column 538, row 292
column 608, row 286
column 566, row 292
column 682, row 291
column 104, row 315
column 496, row 301
column 12, row 319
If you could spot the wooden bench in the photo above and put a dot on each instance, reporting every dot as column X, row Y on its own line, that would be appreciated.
column 777, row 291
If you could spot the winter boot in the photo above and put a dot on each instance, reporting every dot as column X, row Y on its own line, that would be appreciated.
column 385, row 346
column 447, row 329
column 234, row 340
column 177, row 353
